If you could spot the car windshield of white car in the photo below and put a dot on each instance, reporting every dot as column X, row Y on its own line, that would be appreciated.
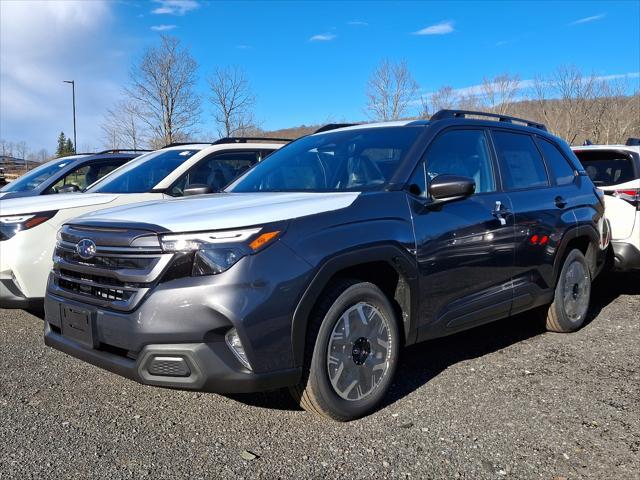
column 144, row 173
column 344, row 160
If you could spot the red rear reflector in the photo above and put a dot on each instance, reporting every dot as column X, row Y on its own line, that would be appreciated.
column 631, row 193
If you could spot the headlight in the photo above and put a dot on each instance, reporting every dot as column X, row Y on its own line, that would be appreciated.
column 215, row 252
column 12, row 224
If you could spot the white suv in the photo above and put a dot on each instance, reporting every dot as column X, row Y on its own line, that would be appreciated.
column 615, row 169
column 28, row 226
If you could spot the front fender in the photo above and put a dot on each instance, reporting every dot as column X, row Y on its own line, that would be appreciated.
column 394, row 255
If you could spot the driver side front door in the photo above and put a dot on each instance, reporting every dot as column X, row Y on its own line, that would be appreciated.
column 465, row 247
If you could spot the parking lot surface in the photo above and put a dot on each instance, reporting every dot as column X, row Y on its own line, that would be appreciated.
column 502, row 401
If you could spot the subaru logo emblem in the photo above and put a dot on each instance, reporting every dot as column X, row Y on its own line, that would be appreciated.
column 86, row 248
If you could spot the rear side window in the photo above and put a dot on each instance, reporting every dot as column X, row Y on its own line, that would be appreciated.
column 520, row 161
column 607, row 167
column 562, row 171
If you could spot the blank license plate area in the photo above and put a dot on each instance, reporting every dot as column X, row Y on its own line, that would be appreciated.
column 77, row 325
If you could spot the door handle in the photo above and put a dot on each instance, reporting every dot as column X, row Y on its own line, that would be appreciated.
column 560, row 202
column 499, row 211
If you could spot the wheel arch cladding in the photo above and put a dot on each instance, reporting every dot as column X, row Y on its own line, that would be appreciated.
column 584, row 238
column 389, row 267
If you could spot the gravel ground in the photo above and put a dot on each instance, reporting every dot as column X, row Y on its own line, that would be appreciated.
column 503, row 401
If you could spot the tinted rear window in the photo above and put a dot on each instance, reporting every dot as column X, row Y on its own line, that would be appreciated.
column 607, row 167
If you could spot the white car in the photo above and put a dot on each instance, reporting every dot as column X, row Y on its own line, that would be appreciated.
column 28, row 226
column 615, row 169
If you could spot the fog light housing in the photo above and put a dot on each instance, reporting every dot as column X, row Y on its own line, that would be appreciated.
column 234, row 343
column 162, row 366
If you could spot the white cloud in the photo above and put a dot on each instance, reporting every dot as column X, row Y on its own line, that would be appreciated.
column 593, row 18
column 243, row 46
column 43, row 43
column 162, row 28
column 619, row 76
column 358, row 23
column 323, row 37
column 441, row 28
column 526, row 85
column 175, row 7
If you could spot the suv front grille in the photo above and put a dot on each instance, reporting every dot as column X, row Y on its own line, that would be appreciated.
column 117, row 277
column 111, row 263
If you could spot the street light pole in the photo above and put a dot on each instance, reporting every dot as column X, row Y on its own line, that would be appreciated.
column 73, row 90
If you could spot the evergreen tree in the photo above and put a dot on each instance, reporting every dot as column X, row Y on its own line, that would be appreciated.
column 62, row 145
column 69, row 150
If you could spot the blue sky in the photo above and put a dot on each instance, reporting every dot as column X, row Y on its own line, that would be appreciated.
column 308, row 62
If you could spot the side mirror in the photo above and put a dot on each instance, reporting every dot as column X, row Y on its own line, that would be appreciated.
column 69, row 188
column 196, row 189
column 451, row 187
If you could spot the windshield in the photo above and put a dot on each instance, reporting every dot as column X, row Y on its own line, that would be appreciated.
column 143, row 173
column 35, row 177
column 349, row 160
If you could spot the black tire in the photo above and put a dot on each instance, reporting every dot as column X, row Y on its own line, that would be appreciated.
column 316, row 393
column 570, row 306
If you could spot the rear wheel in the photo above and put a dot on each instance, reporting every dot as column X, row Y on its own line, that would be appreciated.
column 570, row 306
column 351, row 352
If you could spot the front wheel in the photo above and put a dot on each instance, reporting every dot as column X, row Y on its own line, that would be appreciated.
column 570, row 305
column 351, row 352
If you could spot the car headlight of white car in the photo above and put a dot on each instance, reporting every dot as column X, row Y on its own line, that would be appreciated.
column 10, row 225
column 210, row 253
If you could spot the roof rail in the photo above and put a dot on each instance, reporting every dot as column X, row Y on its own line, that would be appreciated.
column 442, row 114
column 179, row 144
column 122, row 150
column 250, row 139
column 334, row 126
column 633, row 142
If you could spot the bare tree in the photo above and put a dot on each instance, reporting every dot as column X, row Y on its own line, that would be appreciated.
column 21, row 149
column 110, row 132
column 500, row 92
column 122, row 127
column 444, row 98
column 162, row 90
column 6, row 148
column 233, row 102
column 390, row 91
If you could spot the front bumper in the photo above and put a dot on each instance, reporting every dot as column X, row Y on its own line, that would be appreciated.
column 626, row 256
column 12, row 297
column 206, row 364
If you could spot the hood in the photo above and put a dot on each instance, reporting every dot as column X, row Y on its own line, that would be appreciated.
column 224, row 210
column 59, row 201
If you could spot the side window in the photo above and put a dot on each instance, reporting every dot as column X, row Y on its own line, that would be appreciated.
column 562, row 171
column 217, row 170
column 520, row 161
column 97, row 171
column 77, row 177
column 462, row 152
column 84, row 176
